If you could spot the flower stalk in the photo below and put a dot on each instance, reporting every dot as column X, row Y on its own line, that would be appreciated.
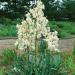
column 33, row 28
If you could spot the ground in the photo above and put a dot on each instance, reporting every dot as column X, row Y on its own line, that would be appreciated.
column 64, row 44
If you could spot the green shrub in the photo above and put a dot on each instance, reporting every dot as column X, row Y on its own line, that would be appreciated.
column 69, row 63
column 2, row 71
column 8, row 31
column 8, row 56
column 64, row 28
column 18, row 67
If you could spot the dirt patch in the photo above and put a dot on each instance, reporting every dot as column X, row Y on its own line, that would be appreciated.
column 7, row 43
column 66, row 44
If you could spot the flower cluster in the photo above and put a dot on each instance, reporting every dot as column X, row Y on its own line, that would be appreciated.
column 33, row 28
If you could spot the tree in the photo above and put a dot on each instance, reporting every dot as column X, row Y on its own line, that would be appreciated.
column 15, row 8
column 52, row 8
column 69, row 9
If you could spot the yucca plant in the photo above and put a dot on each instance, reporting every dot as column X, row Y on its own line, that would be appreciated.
column 36, row 41
column 41, row 63
column 45, row 65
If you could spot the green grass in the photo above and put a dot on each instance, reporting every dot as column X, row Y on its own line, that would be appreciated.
column 64, row 28
column 8, row 27
column 8, row 31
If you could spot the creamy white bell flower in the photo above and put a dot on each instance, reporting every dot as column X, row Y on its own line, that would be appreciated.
column 32, row 29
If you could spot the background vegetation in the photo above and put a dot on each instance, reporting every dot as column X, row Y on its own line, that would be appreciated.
column 43, row 62
column 66, row 29
column 55, row 9
column 61, row 15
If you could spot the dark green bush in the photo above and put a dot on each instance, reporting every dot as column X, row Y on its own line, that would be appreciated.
column 6, row 21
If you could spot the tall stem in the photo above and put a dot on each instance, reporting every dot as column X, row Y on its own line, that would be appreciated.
column 35, row 52
column 36, row 49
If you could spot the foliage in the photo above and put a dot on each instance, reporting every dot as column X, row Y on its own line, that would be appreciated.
column 42, row 62
column 58, row 10
column 15, row 8
column 7, row 21
column 68, row 9
column 9, row 31
column 2, row 71
column 8, row 56
column 46, row 62
column 74, row 50
column 52, row 9
column 42, row 65
column 18, row 67
column 8, row 27
column 64, row 28
column 69, row 62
